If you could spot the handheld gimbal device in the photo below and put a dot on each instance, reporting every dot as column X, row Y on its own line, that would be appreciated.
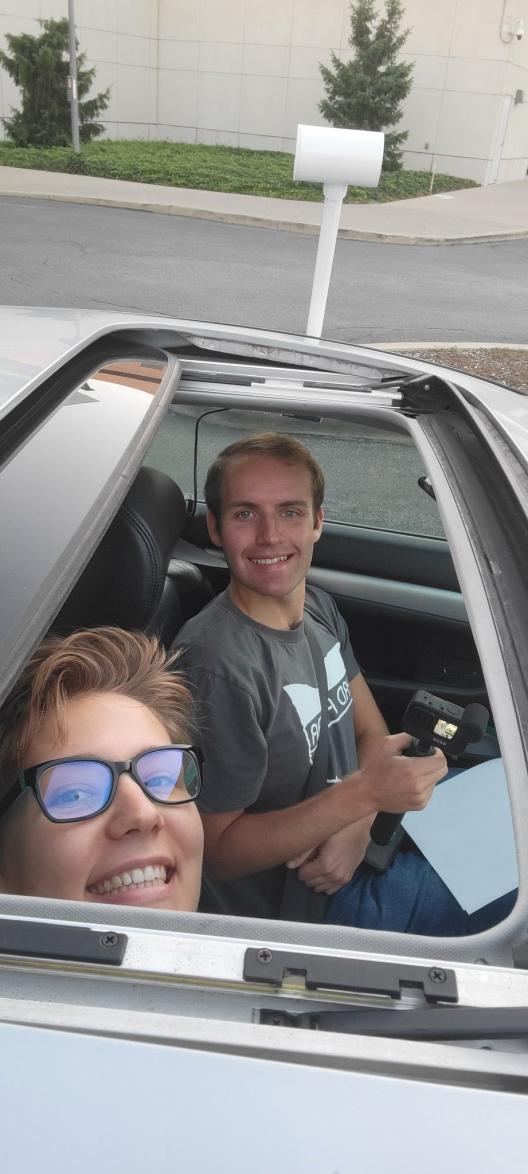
column 432, row 722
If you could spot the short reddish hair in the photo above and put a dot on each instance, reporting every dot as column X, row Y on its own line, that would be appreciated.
column 100, row 660
column 262, row 444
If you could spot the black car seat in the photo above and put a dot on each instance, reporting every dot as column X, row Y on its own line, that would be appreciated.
column 127, row 581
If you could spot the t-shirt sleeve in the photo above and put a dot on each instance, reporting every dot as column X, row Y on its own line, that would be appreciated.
column 232, row 742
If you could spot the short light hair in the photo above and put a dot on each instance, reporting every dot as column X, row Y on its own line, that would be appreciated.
column 262, row 444
column 100, row 660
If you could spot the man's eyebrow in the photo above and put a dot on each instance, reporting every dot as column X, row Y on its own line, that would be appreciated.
column 253, row 505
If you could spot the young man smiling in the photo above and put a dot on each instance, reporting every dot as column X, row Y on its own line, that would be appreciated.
column 97, row 779
column 248, row 658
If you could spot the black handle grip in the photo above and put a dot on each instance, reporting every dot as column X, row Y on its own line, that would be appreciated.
column 386, row 823
column 385, row 826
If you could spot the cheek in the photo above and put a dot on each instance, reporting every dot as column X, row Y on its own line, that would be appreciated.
column 186, row 834
column 40, row 858
column 193, row 837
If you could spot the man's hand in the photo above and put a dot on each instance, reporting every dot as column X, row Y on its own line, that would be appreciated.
column 327, row 868
column 392, row 782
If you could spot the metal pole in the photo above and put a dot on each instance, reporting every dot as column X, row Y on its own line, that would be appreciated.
column 334, row 194
column 74, row 100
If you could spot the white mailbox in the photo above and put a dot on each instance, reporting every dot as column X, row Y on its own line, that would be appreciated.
column 326, row 154
column 335, row 157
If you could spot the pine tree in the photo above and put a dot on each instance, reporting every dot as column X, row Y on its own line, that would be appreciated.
column 39, row 66
column 366, row 92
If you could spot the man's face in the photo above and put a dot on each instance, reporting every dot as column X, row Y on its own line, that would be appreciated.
column 73, row 861
column 268, row 528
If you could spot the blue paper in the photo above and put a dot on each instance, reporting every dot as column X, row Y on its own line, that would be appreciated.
column 466, row 833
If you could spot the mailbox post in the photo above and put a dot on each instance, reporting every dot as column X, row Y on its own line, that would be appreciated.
column 334, row 157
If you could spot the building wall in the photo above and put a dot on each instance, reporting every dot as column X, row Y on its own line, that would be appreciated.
column 246, row 72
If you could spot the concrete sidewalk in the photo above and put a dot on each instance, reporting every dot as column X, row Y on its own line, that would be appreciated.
column 497, row 212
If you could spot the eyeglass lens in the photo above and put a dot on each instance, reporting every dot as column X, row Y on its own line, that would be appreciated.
column 78, row 789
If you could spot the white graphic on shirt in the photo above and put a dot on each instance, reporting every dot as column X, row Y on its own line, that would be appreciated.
column 307, row 704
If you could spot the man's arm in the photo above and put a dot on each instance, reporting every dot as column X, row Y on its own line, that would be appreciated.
column 369, row 725
column 238, row 843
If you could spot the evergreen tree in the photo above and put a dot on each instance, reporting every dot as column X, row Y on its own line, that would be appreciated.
column 39, row 66
column 366, row 92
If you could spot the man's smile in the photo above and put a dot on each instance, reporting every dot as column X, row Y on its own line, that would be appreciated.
column 270, row 562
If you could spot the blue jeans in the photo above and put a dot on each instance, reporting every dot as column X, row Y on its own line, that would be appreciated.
column 409, row 897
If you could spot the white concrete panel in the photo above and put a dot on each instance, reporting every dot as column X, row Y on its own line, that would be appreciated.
column 263, row 105
column 516, row 137
column 466, row 124
column 260, row 143
column 22, row 9
column 476, row 30
column 429, row 71
column 178, row 98
column 93, row 14
column 316, row 23
column 218, row 102
column 16, row 25
column 136, row 50
column 431, row 24
column 134, row 94
column 516, row 78
column 179, row 19
column 132, row 130
column 512, row 169
column 106, row 77
column 345, row 28
column 417, row 160
column 9, row 95
column 302, row 106
column 178, row 54
column 41, row 9
column 266, row 60
column 462, row 166
column 98, row 46
column 420, row 117
column 482, row 77
column 305, row 62
column 222, row 20
column 110, row 130
column 137, row 17
column 217, row 57
column 175, row 134
column 218, row 138
column 268, row 22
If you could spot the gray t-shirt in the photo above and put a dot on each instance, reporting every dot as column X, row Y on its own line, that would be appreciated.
column 259, row 715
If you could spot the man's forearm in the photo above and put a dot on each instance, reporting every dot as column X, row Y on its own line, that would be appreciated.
column 252, row 843
column 389, row 782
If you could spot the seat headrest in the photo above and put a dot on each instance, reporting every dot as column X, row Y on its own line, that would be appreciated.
column 124, row 580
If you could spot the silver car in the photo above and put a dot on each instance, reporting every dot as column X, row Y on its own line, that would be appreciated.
column 132, row 1036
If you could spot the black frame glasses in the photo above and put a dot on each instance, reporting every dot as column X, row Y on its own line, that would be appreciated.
column 30, row 779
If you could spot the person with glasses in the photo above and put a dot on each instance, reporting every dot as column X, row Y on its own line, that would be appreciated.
column 98, row 779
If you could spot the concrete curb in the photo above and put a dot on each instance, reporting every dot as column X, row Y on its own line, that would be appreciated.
column 449, row 346
column 252, row 221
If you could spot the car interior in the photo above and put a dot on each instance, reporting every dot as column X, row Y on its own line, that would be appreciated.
column 383, row 556
column 397, row 590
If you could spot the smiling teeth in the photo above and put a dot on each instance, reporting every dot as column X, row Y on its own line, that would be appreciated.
column 268, row 562
column 138, row 876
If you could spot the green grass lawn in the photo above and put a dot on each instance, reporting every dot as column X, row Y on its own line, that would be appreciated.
column 220, row 169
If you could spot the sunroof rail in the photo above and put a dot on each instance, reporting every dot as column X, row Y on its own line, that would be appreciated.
column 247, row 374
